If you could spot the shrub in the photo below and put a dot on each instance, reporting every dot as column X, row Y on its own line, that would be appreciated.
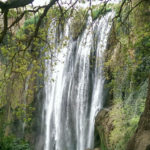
column 12, row 143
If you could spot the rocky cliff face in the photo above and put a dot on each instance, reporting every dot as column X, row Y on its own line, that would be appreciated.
column 125, row 121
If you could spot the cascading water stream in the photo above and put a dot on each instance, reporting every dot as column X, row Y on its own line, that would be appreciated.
column 74, row 87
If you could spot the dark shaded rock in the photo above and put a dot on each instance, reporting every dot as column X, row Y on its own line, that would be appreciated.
column 103, row 124
column 148, row 147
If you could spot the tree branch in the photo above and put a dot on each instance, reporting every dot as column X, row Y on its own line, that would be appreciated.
column 40, row 21
column 14, row 4
column 5, row 20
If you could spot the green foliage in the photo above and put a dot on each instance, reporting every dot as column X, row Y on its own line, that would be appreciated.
column 100, row 10
column 143, row 56
column 12, row 143
column 32, row 20
column 125, row 123
column 28, row 27
column 128, row 67
column 12, row 13
column 125, row 115
column 78, row 22
column 24, row 112
column 129, row 86
column 19, row 68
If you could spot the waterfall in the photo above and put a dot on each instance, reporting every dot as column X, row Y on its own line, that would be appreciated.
column 74, row 86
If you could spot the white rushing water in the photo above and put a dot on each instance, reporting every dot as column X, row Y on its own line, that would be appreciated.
column 74, row 86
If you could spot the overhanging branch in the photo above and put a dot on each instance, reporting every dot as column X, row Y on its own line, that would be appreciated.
column 14, row 4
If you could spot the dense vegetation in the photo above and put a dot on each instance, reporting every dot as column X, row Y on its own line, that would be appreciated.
column 11, row 143
column 127, row 68
column 21, row 75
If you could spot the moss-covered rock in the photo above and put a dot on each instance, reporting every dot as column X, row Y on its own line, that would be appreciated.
column 104, row 126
